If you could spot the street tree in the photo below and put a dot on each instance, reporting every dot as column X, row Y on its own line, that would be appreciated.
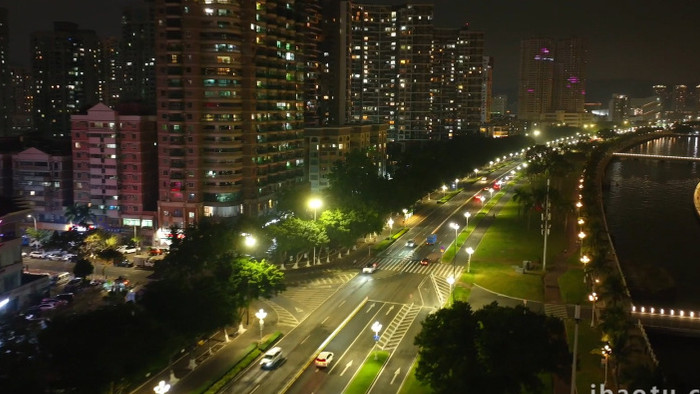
column 295, row 235
column 83, row 268
column 493, row 350
column 79, row 214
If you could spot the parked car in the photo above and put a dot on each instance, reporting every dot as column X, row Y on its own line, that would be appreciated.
column 37, row 254
column 68, row 297
column 271, row 358
column 369, row 268
column 69, row 257
column 54, row 256
column 126, row 249
column 124, row 263
column 323, row 359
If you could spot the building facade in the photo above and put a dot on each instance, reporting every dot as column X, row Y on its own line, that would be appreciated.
column 330, row 144
column 552, row 78
column 65, row 74
column 43, row 181
column 230, row 106
column 114, row 166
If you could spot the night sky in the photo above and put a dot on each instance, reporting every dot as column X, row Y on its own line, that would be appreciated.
column 633, row 43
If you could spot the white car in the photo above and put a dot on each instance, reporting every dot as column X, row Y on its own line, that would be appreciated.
column 323, row 359
column 369, row 268
column 411, row 243
column 271, row 358
column 126, row 249
column 69, row 256
column 54, row 256
column 37, row 254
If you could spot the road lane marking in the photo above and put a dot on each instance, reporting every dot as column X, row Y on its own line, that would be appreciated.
column 348, row 365
column 324, row 320
column 304, row 340
column 398, row 371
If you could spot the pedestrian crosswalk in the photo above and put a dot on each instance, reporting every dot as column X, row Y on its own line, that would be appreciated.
column 408, row 265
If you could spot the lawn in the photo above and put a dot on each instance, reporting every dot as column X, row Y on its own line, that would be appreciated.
column 369, row 370
column 589, row 366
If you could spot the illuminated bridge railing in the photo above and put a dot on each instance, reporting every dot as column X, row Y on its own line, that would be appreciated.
column 655, row 157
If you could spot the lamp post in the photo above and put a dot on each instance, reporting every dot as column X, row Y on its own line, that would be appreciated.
column 451, row 281
column 581, row 236
column 249, row 241
column 577, row 317
column 162, row 387
column 585, row 260
column 390, row 222
column 376, row 327
column 315, row 203
column 593, row 297
column 606, row 351
column 444, row 190
column 490, row 192
column 261, row 315
column 456, row 227
column 470, row 252
column 35, row 230
column 467, row 215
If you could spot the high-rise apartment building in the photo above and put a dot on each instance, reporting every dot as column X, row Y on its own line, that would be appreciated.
column 552, row 80
column 21, row 101
column 569, row 84
column 138, row 55
column 114, row 165
column 536, row 78
column 393, row 66
column 5, row 86
column 459, row 85
column 66, row 75
column 42, row 180
column 111, row 74
column 230, row 105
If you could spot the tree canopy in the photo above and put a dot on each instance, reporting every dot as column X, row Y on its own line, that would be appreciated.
column 494, row 350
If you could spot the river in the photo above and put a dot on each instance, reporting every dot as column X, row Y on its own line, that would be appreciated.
column 656, row 232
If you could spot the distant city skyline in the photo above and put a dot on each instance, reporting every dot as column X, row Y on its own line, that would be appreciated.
column 632, row 44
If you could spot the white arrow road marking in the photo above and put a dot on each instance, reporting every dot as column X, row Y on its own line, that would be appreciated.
column 398, row 371
column 372, row 305
column 390, row 308
column 348, row 365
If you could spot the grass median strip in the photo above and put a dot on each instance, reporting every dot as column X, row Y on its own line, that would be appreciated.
column 367, row 373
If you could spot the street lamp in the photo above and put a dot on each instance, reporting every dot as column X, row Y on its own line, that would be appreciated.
column 261, row 315
column 33, row 218
column 451, row 281
column 585, row 260
column 470, row 252
column 606, row 351
column 444, row 190
column 467, row 215
column 580, row 221
column 390, row 222
column 490, row 192
column 581, row 236
column 376, row 327
column 315, row 203
column 593, row 297
column 456, row 227
column 162, row 387
column 249, row 241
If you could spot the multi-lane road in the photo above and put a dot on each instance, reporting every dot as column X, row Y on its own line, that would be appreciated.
column 337, row 315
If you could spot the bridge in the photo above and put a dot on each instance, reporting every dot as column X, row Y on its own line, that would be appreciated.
column 655, row 157
column 674, row 320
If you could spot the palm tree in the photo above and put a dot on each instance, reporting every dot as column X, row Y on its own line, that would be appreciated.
column 80, row 214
